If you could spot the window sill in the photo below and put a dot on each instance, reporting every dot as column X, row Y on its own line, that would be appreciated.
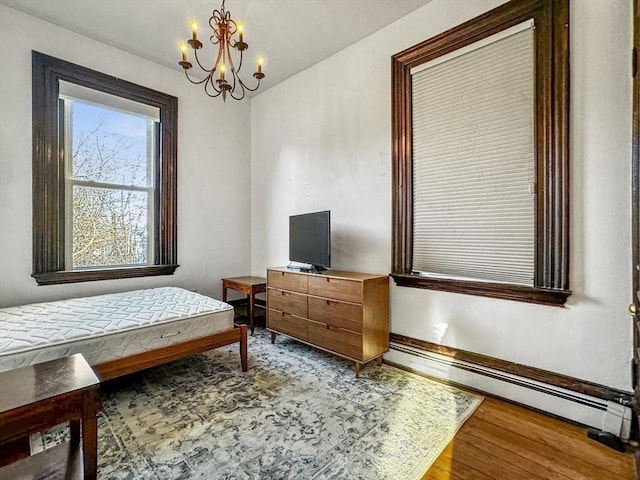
column 520, row 293
column 73, row 276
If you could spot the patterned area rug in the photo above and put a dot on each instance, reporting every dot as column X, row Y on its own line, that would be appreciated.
column 298, row 413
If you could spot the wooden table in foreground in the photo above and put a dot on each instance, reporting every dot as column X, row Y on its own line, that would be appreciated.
column 40, row 396
column 249, row 285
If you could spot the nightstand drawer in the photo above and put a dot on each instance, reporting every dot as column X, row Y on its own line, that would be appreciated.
column 335, row 339
column 288, row 324
column 287, row 281
column 338, row 288
column 288, row 302
column 337, row 314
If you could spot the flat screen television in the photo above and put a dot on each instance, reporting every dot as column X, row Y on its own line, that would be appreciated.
column 310, row 240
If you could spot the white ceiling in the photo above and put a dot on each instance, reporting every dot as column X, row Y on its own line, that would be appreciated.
column 291, row 34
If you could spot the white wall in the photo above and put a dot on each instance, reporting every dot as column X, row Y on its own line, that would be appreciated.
column 322, row 140
column 213, row 166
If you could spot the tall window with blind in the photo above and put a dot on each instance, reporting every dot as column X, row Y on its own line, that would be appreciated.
column 480, row 156
column 474, row 161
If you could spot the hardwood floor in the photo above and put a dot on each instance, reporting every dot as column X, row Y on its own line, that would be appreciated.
column 503, row 441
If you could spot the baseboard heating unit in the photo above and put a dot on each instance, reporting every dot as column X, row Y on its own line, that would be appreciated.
column 601, row 414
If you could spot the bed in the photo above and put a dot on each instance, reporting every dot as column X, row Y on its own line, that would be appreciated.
column 119, row 333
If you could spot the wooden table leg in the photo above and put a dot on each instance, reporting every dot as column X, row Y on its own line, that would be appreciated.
column 273, row 337
column 379, row 361
column 14, row 450
column 74, row 430
column 90, row 435
column 251, row 299
column 224, row 292
column 243, row 347
column 357, row 369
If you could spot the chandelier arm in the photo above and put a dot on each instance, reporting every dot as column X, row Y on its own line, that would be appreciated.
column 238, row 98
column 212, row 96
column 215, row 88
column 241, row 89
column 211, row 70
column 214, row 38
column 216, row 16
column 232, row 31
column 244, row 85
column 237, row 81
column 252, row 89
column 217, row 62
column 210, row 82
column 230, row 60
column 240, row 63
column 195, row 82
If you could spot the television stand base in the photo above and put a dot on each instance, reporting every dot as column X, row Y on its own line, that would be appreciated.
column 313, row 270
column 306, row 268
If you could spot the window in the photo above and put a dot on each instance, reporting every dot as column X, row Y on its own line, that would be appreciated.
column 104, row 176
column 480, row 128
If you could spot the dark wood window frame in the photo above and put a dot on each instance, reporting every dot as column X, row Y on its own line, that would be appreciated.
column 48, row 173
column 551, row 17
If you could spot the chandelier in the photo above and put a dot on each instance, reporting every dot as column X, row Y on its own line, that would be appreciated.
column 223, row 78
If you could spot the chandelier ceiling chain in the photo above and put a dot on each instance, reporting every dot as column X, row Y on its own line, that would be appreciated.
column 224, row 28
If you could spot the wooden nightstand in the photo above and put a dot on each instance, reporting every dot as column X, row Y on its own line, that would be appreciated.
column 249, row 285
column 40, row 396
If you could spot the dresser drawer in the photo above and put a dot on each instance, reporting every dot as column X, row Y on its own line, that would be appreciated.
column 338, row 288
column 337, row 314
column 335, row 339
column 288, row 324
column 287, row 281
column 288, row 302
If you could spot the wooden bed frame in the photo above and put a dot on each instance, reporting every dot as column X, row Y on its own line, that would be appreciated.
column 19, row 448
column 140, row 361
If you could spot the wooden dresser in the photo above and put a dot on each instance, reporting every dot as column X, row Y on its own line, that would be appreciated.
column 346, row 313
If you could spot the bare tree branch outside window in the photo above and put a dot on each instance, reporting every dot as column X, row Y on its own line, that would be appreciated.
column 109, row 187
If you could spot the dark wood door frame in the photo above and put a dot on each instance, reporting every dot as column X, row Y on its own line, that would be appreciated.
column 635, row 164
column 634, row 306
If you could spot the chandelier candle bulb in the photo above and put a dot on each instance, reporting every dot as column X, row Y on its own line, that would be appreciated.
column 241, row 31
column 260, row 61
column 194, row 29
column 183, row 49
column 185, row 64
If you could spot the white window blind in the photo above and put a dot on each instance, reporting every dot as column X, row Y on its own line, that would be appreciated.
column 73, row 91
column 474, row 161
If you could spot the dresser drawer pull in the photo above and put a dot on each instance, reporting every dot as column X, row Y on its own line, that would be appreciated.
column 331, row 327
column 332, row 280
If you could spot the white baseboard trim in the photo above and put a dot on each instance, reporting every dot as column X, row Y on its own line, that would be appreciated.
column 584, row 409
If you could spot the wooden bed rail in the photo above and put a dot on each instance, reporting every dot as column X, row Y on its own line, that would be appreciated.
column 140, row 361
